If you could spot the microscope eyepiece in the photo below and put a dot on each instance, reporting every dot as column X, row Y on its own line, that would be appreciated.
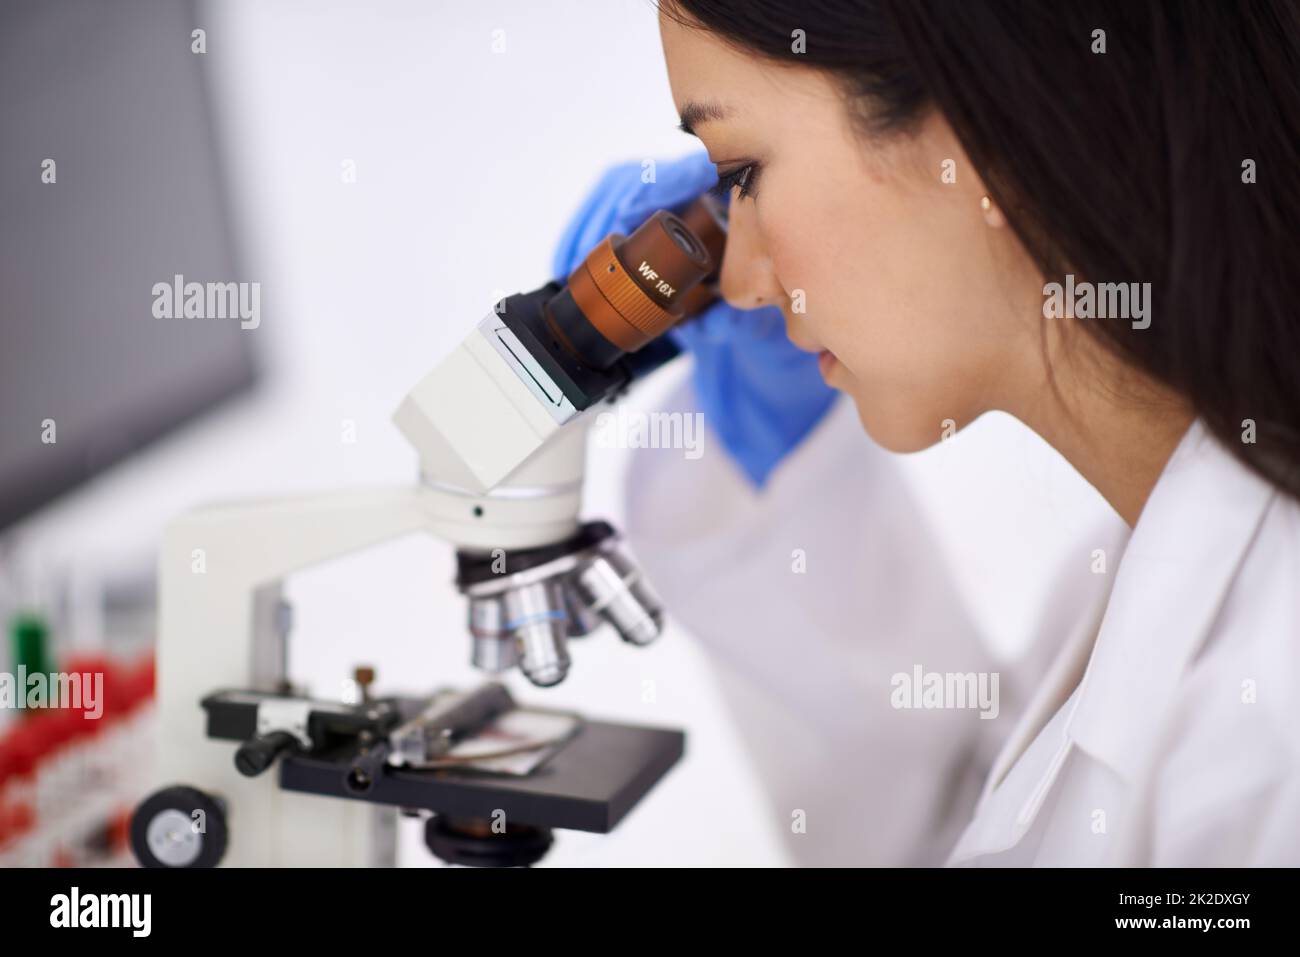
column 630, row 290
column 685, row 240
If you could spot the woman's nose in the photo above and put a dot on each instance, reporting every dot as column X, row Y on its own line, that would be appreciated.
column 747, row 280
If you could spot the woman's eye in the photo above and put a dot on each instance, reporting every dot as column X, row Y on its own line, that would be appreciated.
column 743, row 177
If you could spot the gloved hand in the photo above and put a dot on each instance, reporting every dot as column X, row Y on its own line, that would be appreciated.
column 758, row 392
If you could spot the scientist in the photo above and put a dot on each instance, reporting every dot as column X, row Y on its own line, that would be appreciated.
column 913, row 186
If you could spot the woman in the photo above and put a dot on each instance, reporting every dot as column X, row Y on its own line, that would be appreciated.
column 1085, row 216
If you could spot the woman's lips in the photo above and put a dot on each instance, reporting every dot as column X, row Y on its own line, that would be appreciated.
column 826, row 361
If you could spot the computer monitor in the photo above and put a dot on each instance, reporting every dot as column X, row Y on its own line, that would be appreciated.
column 113, row 95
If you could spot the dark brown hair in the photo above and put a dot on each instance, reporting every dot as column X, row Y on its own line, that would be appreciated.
column 1128, row 165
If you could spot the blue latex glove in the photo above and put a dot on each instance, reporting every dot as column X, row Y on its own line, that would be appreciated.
column 758, row 392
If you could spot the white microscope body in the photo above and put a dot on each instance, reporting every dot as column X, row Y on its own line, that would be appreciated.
column 500, row 427
column 502, row 468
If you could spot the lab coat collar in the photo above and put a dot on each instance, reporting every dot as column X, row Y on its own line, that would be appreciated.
column 1171, row 582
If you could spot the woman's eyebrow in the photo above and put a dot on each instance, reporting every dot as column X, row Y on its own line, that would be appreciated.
column 695, row 113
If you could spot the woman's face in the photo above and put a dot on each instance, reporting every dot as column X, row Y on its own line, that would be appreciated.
column 926, row 303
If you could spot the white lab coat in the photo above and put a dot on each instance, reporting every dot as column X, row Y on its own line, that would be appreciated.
column 1180, row 746
column 810, row 597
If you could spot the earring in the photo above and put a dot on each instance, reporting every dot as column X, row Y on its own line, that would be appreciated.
column 992, row 215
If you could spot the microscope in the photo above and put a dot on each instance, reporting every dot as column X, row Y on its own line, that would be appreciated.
column 251, row 772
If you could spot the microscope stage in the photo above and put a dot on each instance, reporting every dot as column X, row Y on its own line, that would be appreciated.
column 588, row 785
